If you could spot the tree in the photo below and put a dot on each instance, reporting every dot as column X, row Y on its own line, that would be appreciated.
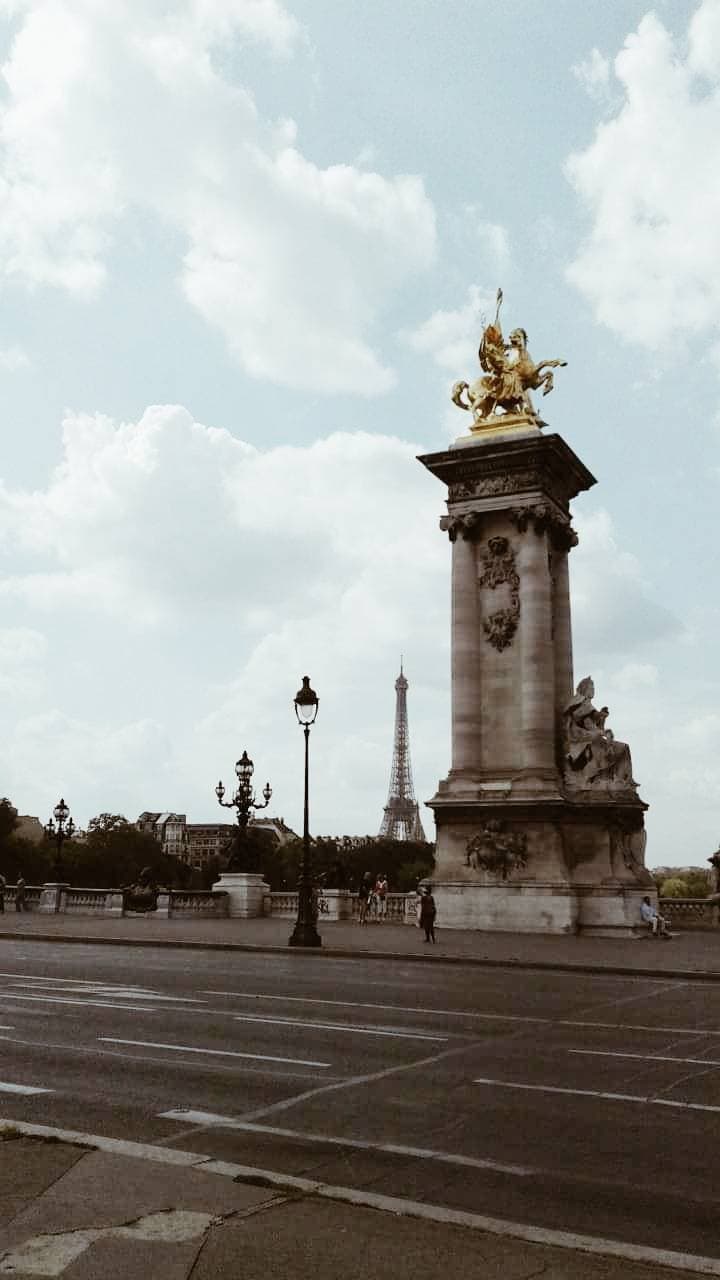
column 674, row 887
column 114, row 853
column 18, row 854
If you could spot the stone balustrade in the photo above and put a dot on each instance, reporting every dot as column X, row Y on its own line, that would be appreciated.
column 690, row 913
column 685, row 913
column 67, row 900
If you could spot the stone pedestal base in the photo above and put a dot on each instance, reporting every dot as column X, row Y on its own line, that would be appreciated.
column 246, row 892
column 611, row 911
column 581, row 871
column 336, row 904
column 51, row 897
column 507, row 908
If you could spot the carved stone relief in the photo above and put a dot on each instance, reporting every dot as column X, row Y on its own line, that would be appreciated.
column 491, row 486
column 496, row 850
column 498, row 571
column 627, row 848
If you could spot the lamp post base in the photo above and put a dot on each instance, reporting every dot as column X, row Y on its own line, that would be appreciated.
column 304, row 935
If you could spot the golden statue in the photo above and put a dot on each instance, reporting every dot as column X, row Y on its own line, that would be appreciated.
column 502, row 397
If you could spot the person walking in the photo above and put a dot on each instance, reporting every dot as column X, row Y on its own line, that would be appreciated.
column 20, row 904
column 428, row 912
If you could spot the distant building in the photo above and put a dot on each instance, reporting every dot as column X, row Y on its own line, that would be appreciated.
column 197, row 842
column 30, row 828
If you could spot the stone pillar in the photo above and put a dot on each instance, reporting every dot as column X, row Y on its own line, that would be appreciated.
column 562, row 635
column 52, row 898
column 466, row 687
column 537, row 668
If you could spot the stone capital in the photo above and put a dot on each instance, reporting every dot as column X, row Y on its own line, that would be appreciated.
column 543, row 519
column 468, row 525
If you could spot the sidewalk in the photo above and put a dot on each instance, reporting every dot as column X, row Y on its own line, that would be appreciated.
column 122, row 1211
column 694, row 953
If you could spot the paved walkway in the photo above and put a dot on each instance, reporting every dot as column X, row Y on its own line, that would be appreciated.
column 122, row 1211
column 694, row 952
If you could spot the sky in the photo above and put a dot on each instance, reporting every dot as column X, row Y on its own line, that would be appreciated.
column 245, row 251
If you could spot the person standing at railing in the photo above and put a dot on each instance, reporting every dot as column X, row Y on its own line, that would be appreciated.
column 381, row 891
column 20, row 903
column 364, row 894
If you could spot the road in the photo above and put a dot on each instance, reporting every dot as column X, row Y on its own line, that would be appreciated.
column 578, row 1102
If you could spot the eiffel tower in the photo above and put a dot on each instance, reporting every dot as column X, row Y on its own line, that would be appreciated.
column 401, row 816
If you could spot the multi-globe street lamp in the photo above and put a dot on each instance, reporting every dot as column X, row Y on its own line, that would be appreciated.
column 59, row 831
column 244, row 802
column 305, row 933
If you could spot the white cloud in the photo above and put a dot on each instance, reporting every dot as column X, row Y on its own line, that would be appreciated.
column 22, row 658
column 615, row 610
column 290, row 261
column 648, row 180
column 594, row 75
column 495, row 243
column 449, row 337
column 245, row 569
column 13, row 358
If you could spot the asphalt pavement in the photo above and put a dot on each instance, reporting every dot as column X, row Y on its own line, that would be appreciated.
column 302, row 1113
column 495, row 1098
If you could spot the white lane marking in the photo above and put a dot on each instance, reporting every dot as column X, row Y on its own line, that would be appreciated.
column 210, row 1119
column 97, row 1004
column 484, row 1017
column 6, row 1087
column 391, row 1008
column 596, row 1245
column 646, row 1057
column 216, row 1053
column 108, row 989
column 638, row 1026
column 645, row 1099
column 6, row 1027
column 338, row 1026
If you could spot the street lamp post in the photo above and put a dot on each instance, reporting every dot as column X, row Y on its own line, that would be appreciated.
column 244, row 802
column 60, row 831
column 305, row 933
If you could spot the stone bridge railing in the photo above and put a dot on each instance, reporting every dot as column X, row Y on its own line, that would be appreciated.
column 333, row 904
column 53, row 899
column 691, row 913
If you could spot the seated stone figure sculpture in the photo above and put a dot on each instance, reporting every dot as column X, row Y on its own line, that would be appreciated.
column 593, row 756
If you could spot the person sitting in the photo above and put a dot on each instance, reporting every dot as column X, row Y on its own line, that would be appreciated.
column 656, row 923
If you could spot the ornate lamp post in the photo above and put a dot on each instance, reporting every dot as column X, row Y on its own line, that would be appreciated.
column 244, row 802
column 305, row 933
column 59, row 831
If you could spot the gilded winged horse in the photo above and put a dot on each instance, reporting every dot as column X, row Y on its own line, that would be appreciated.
column 511, row 374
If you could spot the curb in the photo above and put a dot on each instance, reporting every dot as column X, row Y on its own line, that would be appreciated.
column 542, row 1236
column 344, row 953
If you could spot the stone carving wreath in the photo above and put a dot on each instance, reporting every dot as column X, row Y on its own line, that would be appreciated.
column 498, row 570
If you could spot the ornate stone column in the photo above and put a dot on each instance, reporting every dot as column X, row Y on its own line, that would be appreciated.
column 537, row 673
column 562, row 541
column 465, row 647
